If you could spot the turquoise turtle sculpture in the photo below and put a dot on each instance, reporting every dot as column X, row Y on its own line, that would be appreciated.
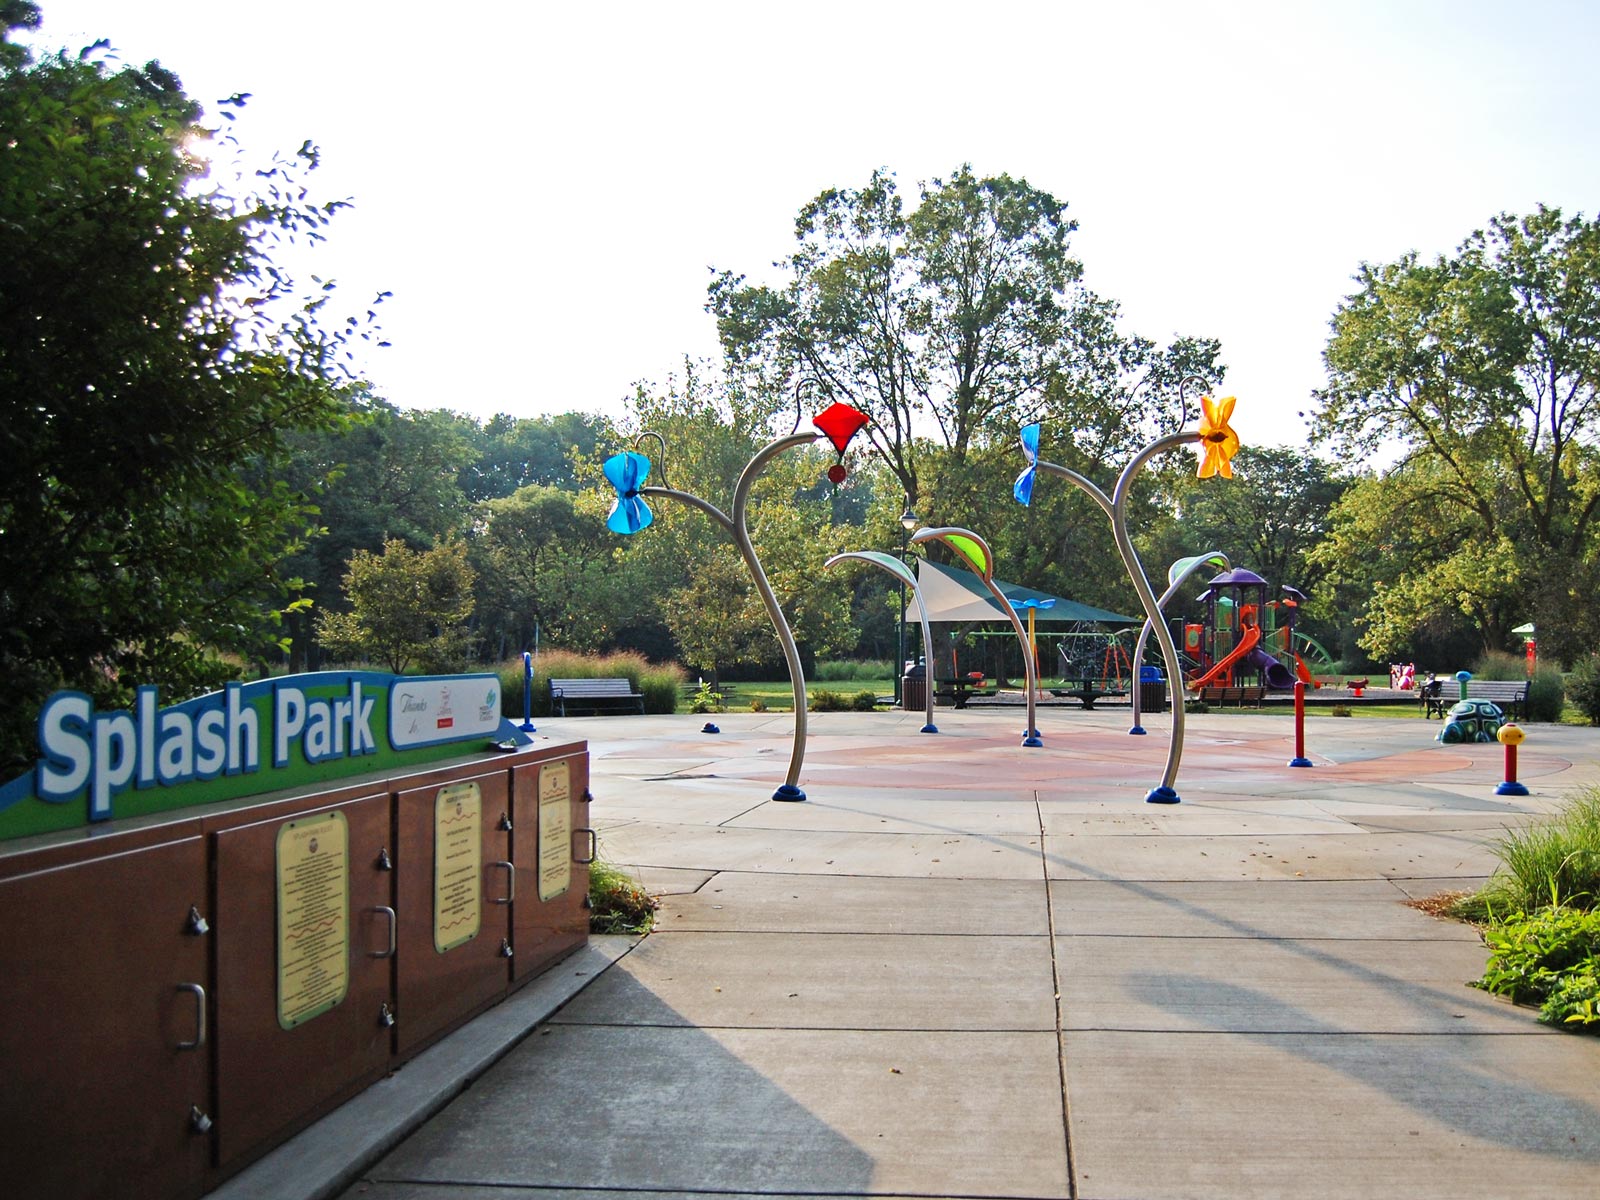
column 1472, row 721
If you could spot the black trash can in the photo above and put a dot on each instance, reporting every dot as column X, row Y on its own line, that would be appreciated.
column 1152, row 690
column 914, row 688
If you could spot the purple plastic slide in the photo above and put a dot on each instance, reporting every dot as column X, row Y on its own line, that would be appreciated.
column 1279, row 678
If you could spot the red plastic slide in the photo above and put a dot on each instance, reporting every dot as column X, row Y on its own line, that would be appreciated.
column 1247, row 643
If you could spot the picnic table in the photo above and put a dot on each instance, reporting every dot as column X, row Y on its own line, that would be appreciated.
column 960, row 689
column 1087, row 689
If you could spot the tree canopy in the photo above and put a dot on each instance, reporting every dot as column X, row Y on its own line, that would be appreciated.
column 967, row 314
column 1482, row 370
column 151, row 357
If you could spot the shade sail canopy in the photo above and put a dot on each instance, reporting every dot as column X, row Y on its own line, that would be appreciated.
column 954, row 594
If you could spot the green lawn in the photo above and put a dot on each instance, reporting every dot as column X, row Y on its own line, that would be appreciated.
column 778, row 696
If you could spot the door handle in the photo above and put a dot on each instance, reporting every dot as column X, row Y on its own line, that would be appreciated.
column 394, row 932
column 199, row 1016
column 594, row 847
column 511, row 881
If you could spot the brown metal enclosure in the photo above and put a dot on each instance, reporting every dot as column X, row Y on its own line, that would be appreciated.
column 103, row 1044
column 270, row 1079
column 439, row 988
column 160, row 1031
column 545, row 930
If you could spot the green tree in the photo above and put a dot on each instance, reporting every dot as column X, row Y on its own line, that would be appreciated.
column 407, row 607
column 1482, row 369
column 516, row 452
column 152, row 360
column 1269, row 517
column 544, row 560
column 967, row 313
column 676, row 571
column 384, row 473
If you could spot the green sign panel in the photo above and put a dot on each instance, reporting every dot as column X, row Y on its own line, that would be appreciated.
column 250, row 738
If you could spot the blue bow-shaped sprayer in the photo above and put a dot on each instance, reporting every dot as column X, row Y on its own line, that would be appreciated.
column 1023, row 488
column 627, row 472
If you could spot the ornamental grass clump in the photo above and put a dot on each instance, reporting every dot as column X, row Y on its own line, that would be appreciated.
column 658, row 683
column 1556, row 861
column 1541, row 916
column 617, row 903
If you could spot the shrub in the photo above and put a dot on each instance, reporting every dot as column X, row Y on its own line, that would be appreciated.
column 1196, row 706
column 844, row 670
column 705, row 700
column 1547, row 694
column 1542, row 912
column 1549, row 957
column 617, row 903
column 658, row 683
column 1575, row 999
column 1583, row 687
column 863, row 702
column 1340, row 710
column 758, row 705
column 1499, row 664
column 822, row 700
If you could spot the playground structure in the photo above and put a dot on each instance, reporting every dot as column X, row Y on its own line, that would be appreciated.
column 1245, row 637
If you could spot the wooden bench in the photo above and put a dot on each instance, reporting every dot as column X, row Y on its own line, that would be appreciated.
column 1510, row 694
column 1222, row 696
column 1087, row 690
column 596, row 695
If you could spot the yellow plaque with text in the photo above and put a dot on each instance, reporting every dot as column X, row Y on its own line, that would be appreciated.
column 313, row 878
column 457, row 873
column 555, row 829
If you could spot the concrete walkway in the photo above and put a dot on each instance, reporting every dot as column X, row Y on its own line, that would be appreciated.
column 965, row 968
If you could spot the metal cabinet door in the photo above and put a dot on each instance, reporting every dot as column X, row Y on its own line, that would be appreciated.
column 453, row 888
column 270, row 1077
column 552, row 850
column 104, row 1044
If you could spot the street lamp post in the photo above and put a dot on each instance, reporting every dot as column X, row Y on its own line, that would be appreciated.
column 908, row 521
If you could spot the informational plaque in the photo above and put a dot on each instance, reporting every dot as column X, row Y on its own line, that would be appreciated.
column 313, row 860
column 555, row 829
column 457, row 873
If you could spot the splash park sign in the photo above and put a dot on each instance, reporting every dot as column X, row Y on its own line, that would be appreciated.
column 245, row 740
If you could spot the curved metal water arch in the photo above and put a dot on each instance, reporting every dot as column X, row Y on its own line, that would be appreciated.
column 1177, row 575
column 735, row 525
column 1116, row 507
column 903, row 573
column 828, row 426
column 975, row 552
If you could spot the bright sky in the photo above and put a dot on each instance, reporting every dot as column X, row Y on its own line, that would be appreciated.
column 543, row 186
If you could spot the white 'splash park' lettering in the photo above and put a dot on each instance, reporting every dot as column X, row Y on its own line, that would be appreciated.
column 270, row 726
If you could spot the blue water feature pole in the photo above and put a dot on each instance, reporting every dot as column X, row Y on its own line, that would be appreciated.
column 527, row 692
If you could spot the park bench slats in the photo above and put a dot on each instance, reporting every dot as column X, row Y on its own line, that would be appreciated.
column 1222, row 696
column 601, row 695
column 1510, row 694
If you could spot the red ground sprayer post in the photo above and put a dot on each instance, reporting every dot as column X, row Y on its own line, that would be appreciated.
column 1510, row 736
column 1299, row 759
